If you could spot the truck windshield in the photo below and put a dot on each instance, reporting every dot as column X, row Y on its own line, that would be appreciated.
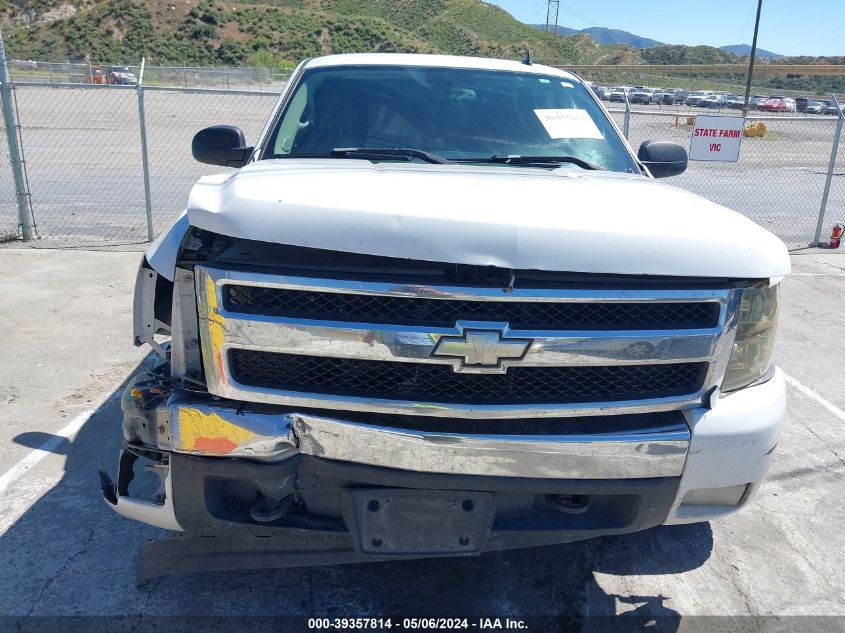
column 459, row 114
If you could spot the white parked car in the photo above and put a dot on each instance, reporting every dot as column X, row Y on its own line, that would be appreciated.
column 440, row 306
column 698, row 97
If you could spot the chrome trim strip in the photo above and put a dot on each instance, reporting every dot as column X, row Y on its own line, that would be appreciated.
column 416, row 344
column 230, row 389
column 466, row 293
column 222, row 330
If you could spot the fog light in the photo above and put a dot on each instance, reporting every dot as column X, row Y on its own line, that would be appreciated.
column 728, row 496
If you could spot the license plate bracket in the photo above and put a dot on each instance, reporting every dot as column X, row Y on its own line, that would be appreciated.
column 399, row 521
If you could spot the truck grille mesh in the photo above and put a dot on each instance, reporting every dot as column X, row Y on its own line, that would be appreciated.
column 308, row 304
column 439, row 383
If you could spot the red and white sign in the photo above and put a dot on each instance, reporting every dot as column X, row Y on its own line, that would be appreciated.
column 716, row 138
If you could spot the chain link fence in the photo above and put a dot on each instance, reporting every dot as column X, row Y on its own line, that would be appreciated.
column 835, row 208
column 84, row 156
column 173, row 117
column 106, row 75
column 83, row 164
column 83, row 153
column 779, row 179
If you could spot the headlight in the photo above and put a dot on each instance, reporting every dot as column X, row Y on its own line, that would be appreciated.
column 755, row 338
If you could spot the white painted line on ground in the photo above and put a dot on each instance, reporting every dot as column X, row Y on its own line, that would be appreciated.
column 48, row 447
column 827, row 404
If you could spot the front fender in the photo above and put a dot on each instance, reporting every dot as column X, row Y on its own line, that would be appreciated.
column 162, row 253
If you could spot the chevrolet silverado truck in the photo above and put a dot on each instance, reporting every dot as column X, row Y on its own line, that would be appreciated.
column 434, row 310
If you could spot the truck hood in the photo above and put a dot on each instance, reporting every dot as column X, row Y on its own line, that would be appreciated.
column 565, row 219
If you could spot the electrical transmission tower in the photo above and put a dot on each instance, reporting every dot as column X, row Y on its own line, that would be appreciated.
column 551, row 24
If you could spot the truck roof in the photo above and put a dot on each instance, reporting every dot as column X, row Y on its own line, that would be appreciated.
column 436, row 61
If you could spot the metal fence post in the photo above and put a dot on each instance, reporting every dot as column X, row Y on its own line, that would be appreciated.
column 627, row 122
column 830, row 168
column 10, row 118
column 144, row 158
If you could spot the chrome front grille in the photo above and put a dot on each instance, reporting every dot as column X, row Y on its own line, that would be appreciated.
column 379, row 347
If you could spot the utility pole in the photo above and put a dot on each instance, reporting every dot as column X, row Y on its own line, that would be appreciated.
column 751, row 61
column 552, row 9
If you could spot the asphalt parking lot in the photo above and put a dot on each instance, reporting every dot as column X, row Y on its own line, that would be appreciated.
column 67, row 349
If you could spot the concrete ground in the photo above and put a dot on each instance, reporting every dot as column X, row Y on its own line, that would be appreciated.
column 67, row 347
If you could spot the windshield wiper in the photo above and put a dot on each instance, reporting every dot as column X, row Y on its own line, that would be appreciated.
column 406, row 153
column 516, row 159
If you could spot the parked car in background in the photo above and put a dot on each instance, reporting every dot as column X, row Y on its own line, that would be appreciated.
column 670, row 97
column 755, row 101
column 597, row 90
column 641, row 95
column 695, row 98
column 734, row 102
column 829, row 107
column 713, row 101
column 121, row 76
column 813, row 107
column 616, row 94
column 93, row 75
column 778, row 104
column 801, row 103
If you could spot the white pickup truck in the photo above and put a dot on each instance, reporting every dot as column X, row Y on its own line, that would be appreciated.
column 441, row 307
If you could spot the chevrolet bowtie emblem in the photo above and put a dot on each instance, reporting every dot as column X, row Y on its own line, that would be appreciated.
column 481, row 350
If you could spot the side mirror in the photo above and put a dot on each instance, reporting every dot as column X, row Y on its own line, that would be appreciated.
column 662, row 158
column 222, row 145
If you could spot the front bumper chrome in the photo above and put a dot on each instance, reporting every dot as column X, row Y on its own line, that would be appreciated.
column 657, row 452
column 195, row 425
column 160, row 513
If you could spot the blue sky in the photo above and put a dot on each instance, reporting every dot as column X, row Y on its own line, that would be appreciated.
column 788, row 27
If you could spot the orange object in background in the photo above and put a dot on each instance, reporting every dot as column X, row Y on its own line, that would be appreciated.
column 757, row 128
column 836, row 235
column 93, row 75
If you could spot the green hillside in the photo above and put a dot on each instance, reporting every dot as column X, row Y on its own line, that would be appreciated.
column 279, row 33
column 677, row 54
column 212, row 32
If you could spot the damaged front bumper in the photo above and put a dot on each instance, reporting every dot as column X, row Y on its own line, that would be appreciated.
column 161, row 415
column 231, row 468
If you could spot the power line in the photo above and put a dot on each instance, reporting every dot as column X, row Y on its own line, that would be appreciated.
column 578, row 14
column 747, row 18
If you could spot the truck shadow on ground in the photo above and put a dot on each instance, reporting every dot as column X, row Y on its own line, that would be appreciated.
column 68, row 553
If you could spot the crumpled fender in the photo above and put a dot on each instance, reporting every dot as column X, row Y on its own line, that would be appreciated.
column 162, row 253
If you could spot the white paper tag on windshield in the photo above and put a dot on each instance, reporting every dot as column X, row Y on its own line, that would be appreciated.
column 568, row 123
